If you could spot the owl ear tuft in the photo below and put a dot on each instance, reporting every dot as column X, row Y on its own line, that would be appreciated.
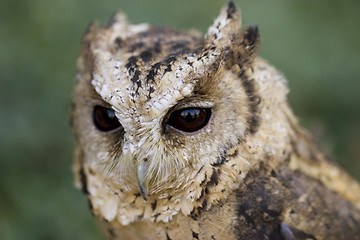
column 225, row 26
column 243, row 49
column 235, row 46
column 85, row 62
column 117, row 18
column 251, row 36
column 90, row 32
column 231, row 9
column 250, row 44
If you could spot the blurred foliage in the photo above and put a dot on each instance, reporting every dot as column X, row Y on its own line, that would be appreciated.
column 315, row 43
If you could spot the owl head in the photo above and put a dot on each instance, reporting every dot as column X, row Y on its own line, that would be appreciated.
column 158, row 112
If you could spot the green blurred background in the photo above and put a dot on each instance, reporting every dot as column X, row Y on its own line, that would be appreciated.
column 315, row 43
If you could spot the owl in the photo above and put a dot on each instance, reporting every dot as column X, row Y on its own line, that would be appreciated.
column 182, row 136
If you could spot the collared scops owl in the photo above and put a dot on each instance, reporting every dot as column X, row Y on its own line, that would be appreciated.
column 183, row 136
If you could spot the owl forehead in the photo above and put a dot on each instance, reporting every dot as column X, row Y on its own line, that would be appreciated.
column 150, row 71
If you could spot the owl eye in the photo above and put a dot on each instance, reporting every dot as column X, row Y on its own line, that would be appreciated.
column 190, row 119
column 105, row 119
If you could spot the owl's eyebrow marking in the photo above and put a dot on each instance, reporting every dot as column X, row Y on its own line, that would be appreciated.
column 153, row 72
column 168, row 62
column 131, row 65
column 133, row 70
column 146, row 55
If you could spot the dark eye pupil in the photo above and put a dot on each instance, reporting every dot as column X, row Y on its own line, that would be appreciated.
column 105, row 119
column 190, row 119
column 190, row 115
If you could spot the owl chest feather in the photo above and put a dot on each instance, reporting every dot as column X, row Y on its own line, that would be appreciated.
column 268, row 202
column 281, row 203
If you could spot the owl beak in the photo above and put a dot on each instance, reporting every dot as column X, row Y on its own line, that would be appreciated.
column 143, row 190
column 142, row 181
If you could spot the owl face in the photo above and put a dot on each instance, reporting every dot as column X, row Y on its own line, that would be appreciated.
column 154, row 106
